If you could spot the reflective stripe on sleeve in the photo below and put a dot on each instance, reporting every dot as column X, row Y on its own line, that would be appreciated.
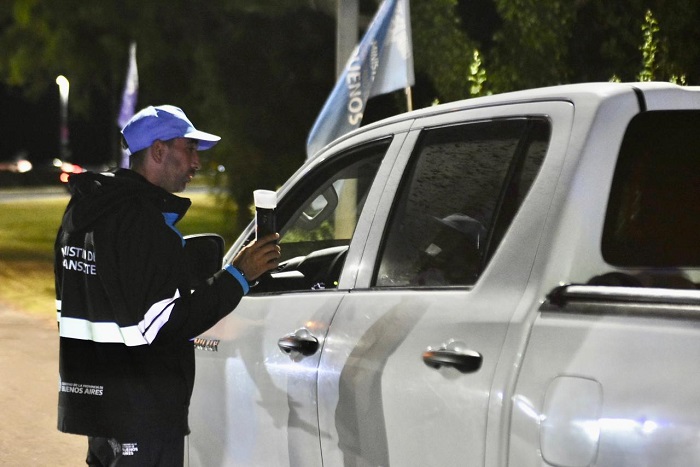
column 75, row 328
column 157, row 316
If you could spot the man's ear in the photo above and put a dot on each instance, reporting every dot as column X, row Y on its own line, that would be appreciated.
column 157, row 151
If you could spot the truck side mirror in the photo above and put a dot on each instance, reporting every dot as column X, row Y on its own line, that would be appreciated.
column 204, row 254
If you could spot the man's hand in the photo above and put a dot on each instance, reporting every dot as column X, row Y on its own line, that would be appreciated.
column 258, row 257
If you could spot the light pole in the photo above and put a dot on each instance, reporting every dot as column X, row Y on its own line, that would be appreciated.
column 63, row 89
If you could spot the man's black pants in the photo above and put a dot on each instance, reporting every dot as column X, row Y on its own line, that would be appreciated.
column 109, row 452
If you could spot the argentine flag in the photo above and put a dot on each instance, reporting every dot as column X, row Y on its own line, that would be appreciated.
column 381, row 63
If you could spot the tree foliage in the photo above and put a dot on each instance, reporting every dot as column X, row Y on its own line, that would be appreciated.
column 442, row 50
column 530, row 48
column 257, row 73
column 608, row 39
column 649, row 48
column 256, row 79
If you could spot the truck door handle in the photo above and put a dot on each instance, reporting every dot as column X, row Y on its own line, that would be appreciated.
column 455, row 355
column 300, row 341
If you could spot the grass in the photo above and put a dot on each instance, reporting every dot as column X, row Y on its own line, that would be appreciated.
column 27, row 234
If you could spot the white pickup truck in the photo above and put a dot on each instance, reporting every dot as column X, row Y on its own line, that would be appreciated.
column 502, row 281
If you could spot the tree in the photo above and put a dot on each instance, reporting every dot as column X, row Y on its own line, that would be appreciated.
column 607, row 37
column 530, row 47
column 254, row 79
column 649, row 47
column 442, row 50
column 267, row 97
column 258, row 73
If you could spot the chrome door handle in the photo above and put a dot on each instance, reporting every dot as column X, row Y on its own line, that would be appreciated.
column 301, row 341
column 455, row 355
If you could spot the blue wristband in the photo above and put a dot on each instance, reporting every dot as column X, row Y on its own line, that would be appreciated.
column 238, row 274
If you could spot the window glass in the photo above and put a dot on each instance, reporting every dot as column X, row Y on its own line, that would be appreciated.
column 653, row 215
column 317, row 219
column 462, row 190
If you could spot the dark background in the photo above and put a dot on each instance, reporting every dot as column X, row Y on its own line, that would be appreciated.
column 273, row 66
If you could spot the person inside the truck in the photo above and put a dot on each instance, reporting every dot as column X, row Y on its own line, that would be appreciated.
column 453, row 255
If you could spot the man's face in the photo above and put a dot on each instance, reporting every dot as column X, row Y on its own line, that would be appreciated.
column 180, row 163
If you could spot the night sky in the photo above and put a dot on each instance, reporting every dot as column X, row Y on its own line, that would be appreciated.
column 33, row 126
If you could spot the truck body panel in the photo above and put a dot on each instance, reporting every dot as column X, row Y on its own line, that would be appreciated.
column 508, row 280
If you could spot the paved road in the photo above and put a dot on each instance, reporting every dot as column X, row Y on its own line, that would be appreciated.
column 28, row 392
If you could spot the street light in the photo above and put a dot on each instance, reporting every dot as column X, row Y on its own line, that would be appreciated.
column 63, row 89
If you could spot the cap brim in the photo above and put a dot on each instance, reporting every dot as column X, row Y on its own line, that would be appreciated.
column 206, row 140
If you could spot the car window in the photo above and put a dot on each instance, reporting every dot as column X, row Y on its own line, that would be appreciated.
column 653, row 215
column 317, row 219
column 463, row 187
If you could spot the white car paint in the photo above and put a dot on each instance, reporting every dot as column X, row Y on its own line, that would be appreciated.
column 609, row 383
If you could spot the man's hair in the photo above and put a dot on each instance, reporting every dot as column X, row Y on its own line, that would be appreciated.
column 138, row 158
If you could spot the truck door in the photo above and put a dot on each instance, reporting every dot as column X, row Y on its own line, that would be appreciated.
column 608, row 375
column 254, row 401
column 406, row 373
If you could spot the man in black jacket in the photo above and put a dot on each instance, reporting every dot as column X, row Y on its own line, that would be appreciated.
column 126, row 313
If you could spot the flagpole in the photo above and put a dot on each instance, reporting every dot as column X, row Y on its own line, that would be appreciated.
column 409, row 98
column 347, row 20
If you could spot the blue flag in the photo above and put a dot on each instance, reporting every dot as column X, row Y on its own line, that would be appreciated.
column 381, row 63
column 131, row 89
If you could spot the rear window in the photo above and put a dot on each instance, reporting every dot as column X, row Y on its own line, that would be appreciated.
column 653, row 217
column 463, row 187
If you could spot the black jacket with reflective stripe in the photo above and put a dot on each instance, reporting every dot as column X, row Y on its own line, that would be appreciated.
column 126, row 314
